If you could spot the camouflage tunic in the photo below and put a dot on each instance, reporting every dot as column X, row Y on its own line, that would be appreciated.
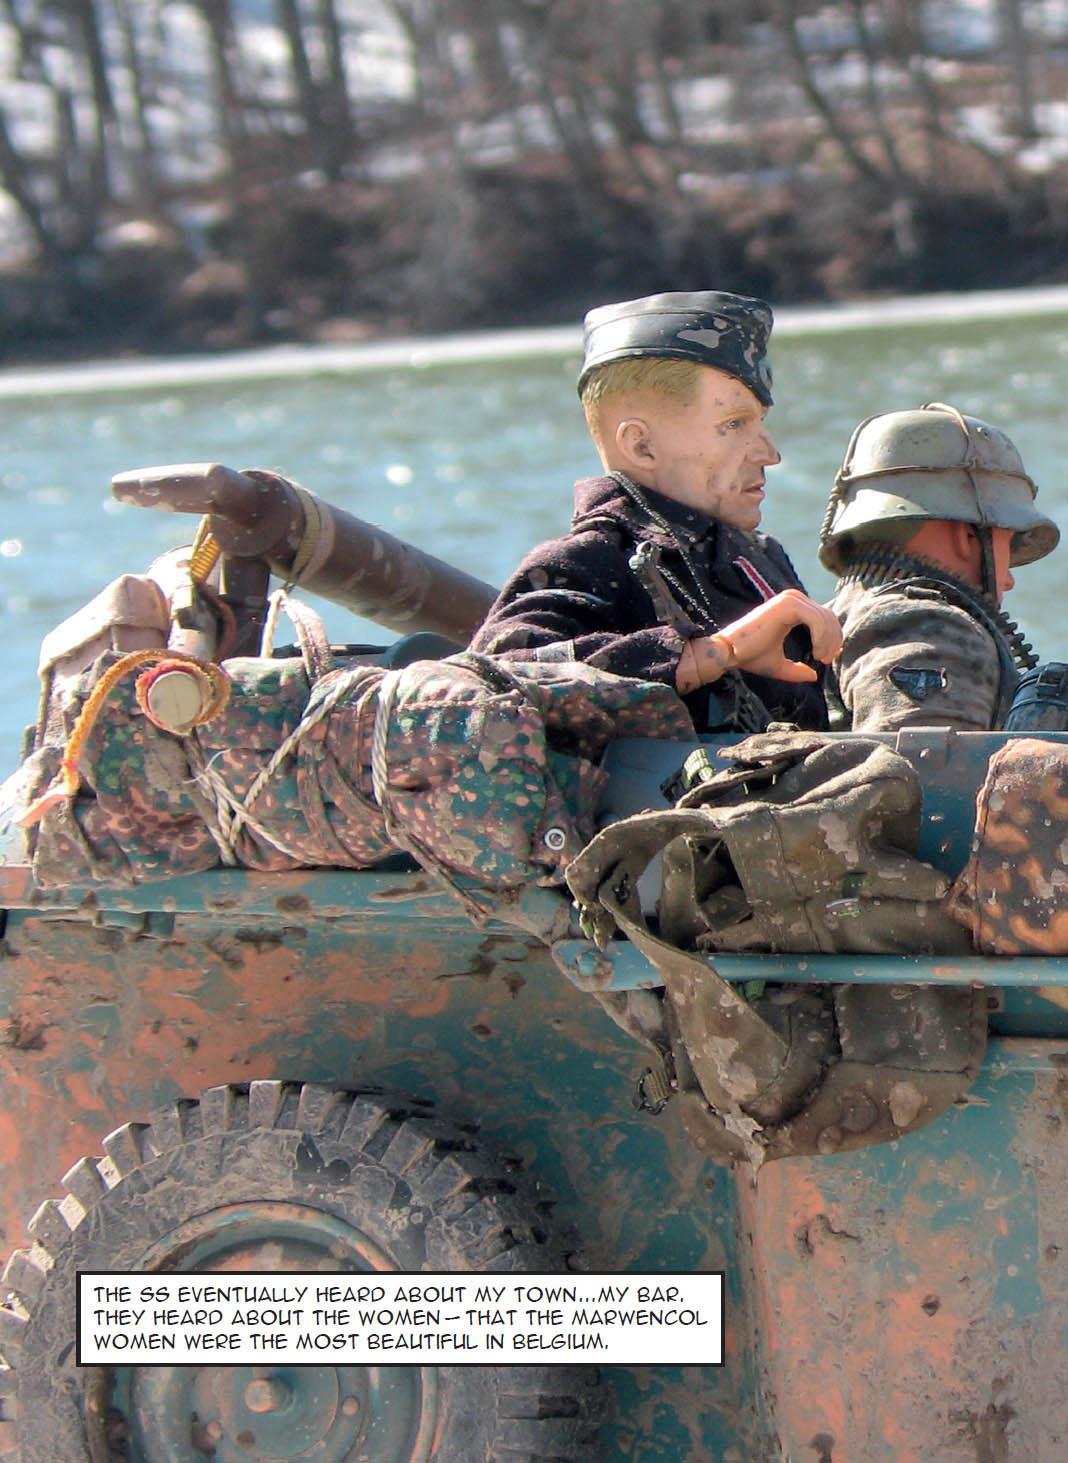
column 919, row 648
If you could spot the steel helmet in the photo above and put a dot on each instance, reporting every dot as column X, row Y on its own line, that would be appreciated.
column 934, row 462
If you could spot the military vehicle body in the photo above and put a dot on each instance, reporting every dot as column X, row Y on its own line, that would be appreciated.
column 340, row 1071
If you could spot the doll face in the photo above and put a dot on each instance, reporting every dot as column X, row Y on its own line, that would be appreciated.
column 709, row 453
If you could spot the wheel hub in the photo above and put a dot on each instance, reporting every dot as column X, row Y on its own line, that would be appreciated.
column 319, row 1414
column 266, row 1414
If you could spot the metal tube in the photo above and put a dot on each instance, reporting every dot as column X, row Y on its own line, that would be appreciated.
column 261, row 515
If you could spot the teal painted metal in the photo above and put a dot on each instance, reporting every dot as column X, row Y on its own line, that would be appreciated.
column 630, row 970
column 944, row 1252
column 913, row 1298
column 107, row 1023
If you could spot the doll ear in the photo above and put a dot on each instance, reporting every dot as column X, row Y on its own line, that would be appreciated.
column 634, row 441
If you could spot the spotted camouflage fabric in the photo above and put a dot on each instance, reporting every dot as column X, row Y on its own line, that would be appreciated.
column 314, row 807
column 1013, row 892
column 141, row 813
column 483, row 771
column 491, row 767
column 912, row 659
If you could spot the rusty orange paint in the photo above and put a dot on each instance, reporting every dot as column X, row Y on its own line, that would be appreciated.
column 904, row 1299
column 105, row 1024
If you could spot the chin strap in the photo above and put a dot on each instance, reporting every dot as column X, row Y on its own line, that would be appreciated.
column 988, row 569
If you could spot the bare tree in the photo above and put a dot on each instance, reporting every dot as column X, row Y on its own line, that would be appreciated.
column 16, row 176
column 336, row 108
column 218, row 19
column 534, row 126
column 27, row 37
column 820, row 99
column 323, row 103
column 1016, row 44
column 143, row 159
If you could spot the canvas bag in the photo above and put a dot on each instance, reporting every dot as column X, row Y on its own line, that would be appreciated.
column 758, row 856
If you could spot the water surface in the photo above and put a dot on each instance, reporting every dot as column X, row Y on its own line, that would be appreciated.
column 473, row 459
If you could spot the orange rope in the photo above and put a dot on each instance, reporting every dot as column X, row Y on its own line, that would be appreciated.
column 68, row 779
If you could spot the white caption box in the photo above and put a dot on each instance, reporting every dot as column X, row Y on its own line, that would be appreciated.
column 255, row 1318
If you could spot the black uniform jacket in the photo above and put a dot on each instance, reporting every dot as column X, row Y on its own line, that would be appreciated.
column 577, row 598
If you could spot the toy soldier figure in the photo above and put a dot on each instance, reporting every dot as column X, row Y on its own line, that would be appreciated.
column 929, row 514
column 663, row 575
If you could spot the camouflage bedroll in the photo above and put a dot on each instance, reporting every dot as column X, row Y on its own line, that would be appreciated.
column 478, row 770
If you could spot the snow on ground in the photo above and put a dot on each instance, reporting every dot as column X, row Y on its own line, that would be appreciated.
column 985, row 124
column 1052, row 150
column 380, row 71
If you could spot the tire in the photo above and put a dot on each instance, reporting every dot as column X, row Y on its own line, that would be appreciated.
column 278, row 1176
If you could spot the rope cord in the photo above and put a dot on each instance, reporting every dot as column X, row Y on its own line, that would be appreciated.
column 233, row 813
column 275, row 604
column 68, row 779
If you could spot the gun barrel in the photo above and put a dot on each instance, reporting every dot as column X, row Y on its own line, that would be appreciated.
column 258, row 514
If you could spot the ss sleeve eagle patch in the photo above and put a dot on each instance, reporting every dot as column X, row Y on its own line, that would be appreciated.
column 918, row 682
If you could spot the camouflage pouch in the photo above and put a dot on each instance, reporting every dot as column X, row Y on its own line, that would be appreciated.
column 128, row 614
column 758, row 857
column 488, row 770
column 1012, row 895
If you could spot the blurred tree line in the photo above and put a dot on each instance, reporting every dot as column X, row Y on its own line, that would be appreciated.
column 220, row 171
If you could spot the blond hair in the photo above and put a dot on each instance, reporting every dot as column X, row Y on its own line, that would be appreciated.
column 663, row 376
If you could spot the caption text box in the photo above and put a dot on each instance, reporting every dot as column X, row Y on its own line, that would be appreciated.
column 256, row 1318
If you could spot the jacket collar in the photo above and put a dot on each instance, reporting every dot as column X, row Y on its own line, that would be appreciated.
column 884, row 570
column 603, row 497
column 885, row 567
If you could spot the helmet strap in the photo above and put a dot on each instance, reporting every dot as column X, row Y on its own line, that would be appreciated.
column 988, row 570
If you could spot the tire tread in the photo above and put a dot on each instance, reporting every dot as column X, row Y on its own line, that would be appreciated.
column 447, row 1200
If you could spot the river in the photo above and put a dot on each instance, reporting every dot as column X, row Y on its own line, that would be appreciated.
column 468, row 447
